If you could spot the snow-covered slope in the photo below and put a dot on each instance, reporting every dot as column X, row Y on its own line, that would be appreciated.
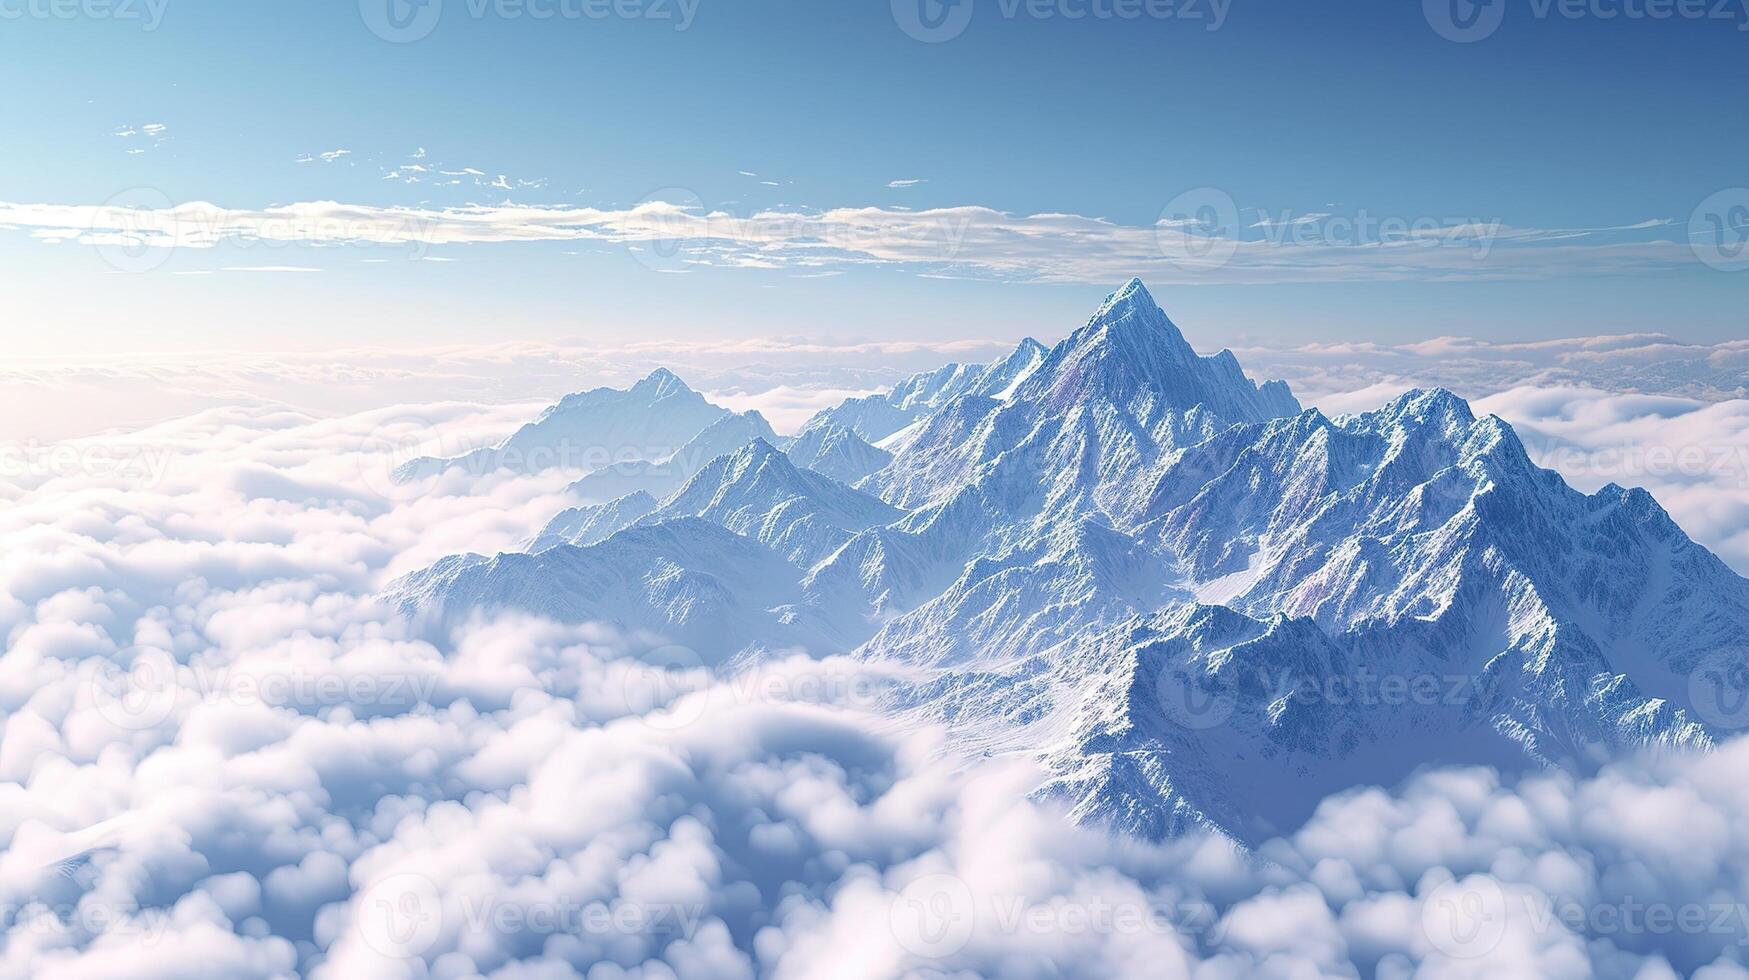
column 756, row 491
column 1422, row 519
column 662, row 476
column 876, row 417
column 1087, row 424
column 594, row 523
column 591, row 429
column 691, row 581
column 1000, row 379
column 831, row 449
column 872, row 417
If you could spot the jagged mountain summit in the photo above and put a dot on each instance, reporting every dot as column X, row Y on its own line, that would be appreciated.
column 1197, row 603
column 593, row 523
column 756, row 491
column 1130, row 350
column 661, row 476
column 1118, row 395
column 874, row 418
column 837, row 452
column 590, row 430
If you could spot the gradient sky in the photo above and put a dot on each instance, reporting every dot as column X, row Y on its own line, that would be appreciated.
column 1593, row 138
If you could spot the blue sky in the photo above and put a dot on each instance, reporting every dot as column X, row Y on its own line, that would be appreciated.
column 1564, row 136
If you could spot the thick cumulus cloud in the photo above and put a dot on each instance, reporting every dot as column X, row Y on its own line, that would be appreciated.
column 219, row 757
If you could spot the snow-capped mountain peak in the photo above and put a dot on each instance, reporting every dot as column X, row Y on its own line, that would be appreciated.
column 1130, row 352
column 837, row 452
column 1132, row 303
column 588, row 430
column 1423, row 406
column 669, row 471
column 660, row 383
column 875, row 418
column 1084, row 428
column 1003, row 377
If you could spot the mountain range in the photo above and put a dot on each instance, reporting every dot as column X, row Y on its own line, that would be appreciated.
column 1197, row 603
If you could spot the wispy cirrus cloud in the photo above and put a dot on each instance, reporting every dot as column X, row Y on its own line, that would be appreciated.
column 143, row 137
column 969, row 240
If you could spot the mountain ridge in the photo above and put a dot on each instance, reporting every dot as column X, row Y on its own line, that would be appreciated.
column 1065, row 546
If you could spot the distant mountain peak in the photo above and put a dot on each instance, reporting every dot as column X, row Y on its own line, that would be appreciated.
column 732, row 424
column 757, row 490
column 660, row 383
column 836, row 451
column 1000, row 379
column 584, row 429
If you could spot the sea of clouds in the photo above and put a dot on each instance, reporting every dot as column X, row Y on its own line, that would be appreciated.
column 220, row 757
